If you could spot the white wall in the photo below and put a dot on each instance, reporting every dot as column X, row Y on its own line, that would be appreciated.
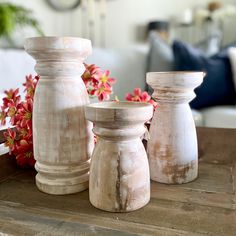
column 124, row 18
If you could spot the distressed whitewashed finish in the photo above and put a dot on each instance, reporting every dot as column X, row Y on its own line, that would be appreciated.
column 172, row 148
column 119, row 174
column 63, row 140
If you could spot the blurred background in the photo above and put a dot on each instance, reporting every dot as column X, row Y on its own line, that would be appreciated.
column 132, row 37
column 118, row 23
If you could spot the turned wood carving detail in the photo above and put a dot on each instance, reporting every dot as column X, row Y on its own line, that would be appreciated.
column 63, row 140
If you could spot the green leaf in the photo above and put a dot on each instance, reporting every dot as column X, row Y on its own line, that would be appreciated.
column 12, row 16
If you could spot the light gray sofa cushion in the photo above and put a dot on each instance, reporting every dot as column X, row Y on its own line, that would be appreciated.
column 161, row 57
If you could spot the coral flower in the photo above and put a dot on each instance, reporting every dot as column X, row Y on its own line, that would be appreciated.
column 30, row 86
column 10, row 136
column 23, row 146
column 97, row 82
column 25, row 113
column 25, row 159
column 104, row 87
column 140, row 96
column 3, row 116
column 24, row 153
column 91, row 75
column 105, row 79
column 12, row 96
column 12, row 111
column 103, row 92
column 25, row 132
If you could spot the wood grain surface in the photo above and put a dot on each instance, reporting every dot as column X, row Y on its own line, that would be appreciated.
column 206, row 206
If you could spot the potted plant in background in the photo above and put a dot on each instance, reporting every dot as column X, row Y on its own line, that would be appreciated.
column 13, row 21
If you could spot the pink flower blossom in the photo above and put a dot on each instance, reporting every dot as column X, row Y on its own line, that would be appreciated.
column 30, row 86
column 12, row 96
column 91, row 77
column 103, row 92
column 25, row 159
column 140, row 96
column 98, row 83
column 25, row 113
column 105, row 79
column 10, row 136
column 3, row 116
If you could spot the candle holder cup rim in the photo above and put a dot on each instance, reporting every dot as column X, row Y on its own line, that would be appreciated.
column 176, row 72
column 119, row 105
column 57, row 43
column 119, row 111
column 175, row 79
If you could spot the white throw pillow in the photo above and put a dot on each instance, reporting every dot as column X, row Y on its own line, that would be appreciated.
column 232, row 58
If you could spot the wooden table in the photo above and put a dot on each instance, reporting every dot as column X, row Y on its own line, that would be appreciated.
column 203, row 207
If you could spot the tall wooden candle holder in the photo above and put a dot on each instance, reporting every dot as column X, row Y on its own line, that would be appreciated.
column 172, row 148
column 119, row 174
column 63, row 140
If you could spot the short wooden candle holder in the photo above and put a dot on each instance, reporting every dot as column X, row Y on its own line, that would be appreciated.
column 119, row 174
column 172, row 148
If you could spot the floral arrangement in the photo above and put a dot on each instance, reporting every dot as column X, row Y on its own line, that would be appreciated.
column 20, row 139
column 19, row 111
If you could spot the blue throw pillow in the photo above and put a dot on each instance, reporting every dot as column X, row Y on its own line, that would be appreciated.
column 217, row 87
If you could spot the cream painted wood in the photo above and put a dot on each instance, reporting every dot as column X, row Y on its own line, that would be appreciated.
column 119, row 174
column 172, row 148
column 63, row 139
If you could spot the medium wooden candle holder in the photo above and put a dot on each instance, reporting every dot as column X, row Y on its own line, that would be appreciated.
column 172, row 148
column 63, row 139
column 119, row 174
